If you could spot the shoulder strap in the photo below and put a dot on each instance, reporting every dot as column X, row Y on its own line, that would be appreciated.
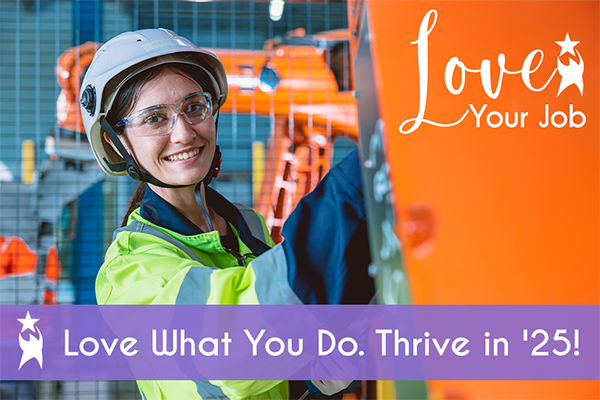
column 253, row 221
column 137, row 226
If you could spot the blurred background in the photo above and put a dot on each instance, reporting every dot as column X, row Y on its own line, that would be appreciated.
column 58, row 209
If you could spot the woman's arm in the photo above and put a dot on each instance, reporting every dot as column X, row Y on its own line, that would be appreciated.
column 144, row 269
column 326, row 241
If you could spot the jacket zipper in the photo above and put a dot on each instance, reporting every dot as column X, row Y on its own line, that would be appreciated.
column 241, row 259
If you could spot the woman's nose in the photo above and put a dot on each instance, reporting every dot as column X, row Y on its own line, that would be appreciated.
column 182, row 131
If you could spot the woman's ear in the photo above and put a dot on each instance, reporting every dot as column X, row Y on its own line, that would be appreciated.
column 107, row 139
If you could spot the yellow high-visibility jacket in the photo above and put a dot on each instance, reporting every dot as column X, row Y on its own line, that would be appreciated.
column 141, row 267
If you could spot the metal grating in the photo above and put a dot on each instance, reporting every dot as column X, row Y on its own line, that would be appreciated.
column 52, row 194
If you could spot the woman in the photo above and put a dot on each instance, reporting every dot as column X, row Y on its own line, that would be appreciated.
column 150, row 104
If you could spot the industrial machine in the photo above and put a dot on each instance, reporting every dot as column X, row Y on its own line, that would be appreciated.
column 479, row 130
column 303, row 83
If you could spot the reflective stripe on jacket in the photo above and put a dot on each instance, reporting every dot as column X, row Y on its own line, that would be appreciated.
column 141, row 268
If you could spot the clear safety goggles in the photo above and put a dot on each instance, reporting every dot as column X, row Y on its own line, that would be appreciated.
column 160, row 119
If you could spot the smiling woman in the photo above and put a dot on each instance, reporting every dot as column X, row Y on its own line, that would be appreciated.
column 165, row 121
column 172, row 148
column 150, row 107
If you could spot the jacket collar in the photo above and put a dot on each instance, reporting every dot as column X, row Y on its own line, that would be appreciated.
column 160, row 212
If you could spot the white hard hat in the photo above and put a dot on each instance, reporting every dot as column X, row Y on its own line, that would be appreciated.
column 125, row 56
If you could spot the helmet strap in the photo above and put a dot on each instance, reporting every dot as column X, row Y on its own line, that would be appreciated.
column 215, row 166
column 130, row 165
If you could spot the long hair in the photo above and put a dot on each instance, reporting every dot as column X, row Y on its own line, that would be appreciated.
column 134, row 201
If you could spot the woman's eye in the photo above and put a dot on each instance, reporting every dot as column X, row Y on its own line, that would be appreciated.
column 195, row 108
column 153, row 119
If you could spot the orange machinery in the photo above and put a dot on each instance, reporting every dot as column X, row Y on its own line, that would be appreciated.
column 68, row 139
column 70, row 69
column 485, row 117
column 18, row 265
column 304, row 84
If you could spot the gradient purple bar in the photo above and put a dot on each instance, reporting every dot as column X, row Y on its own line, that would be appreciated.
column 568, row 334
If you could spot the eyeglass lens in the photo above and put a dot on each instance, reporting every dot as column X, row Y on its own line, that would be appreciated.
column 160, row 120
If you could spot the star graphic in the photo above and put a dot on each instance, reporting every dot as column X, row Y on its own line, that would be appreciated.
column 567, row 45
column 28, row 322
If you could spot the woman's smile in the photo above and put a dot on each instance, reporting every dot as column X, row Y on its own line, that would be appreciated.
column 191, row 155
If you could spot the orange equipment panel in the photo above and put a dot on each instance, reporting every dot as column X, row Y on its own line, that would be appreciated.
column 488, row 112
column 16, row 258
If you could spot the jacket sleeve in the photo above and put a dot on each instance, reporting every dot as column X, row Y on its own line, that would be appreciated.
column 143, row 269
column 156, row 272
column 326, row 240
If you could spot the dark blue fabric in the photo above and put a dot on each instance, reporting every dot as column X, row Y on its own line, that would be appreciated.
column 160, row 212
column 326, row 241
column 312, row 388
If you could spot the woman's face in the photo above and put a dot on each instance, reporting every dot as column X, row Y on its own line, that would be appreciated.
column 183, row 156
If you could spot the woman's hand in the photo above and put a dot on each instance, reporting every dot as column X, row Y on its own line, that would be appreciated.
column 331, row 387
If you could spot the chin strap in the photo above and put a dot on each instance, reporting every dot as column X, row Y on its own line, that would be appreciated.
column 215, row 166
column 139, row 174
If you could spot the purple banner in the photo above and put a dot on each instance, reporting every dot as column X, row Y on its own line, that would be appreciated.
column 557, row 342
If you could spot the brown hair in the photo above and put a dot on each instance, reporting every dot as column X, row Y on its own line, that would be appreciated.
column 135, row 201
column 127, row 98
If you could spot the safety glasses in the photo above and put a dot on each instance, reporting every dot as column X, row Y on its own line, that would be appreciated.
column 159, row 120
